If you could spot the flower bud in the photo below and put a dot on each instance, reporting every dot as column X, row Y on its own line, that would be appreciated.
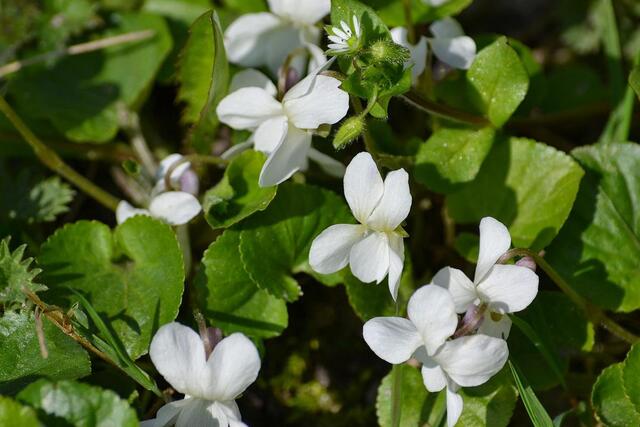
column 350, row 130
column 527, row 262
column 389, row 52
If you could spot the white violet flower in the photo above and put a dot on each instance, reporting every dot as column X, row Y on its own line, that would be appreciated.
column 466, row 361
column 172, row 207
column 267, row 38
column 374, row 248
column 284, row 129
column 210, row 383
column 343, row 39
column 496, row 289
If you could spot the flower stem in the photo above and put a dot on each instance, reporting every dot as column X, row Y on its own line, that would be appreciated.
column 408, row 21
column 446, row 112
column 593, row 313
column 396, row 388
column 50, row 159
column 130, row 123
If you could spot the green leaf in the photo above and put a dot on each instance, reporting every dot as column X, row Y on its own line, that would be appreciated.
column 20, row 358
column 133, row 276
column 599, row 247
column 393, row 13
column 528, row 186
column 62, row 19
column 295, row 217
column 80, row 94
column 238, row 194
column 203, row 75
column 452, row 156
column 616, row 393
column 15, row 275
column 14, row 414
column 80, row 404
column 489, row 405
column 537, row 414
column 368, row 300
column 228, row 297
column 634, row 79
column 499, row 80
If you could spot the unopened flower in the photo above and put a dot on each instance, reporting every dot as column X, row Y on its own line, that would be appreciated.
column 418, row 51
column 267, row 38
column 373, row 248
column 498, row 289
column 467, row 361
column 172, row 207
column 284, row 129
column 210, row 385
column 343, row 38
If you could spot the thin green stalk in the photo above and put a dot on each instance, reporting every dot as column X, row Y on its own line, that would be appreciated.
column 366, row 136
column 593, row 313
column 408, row 21
column 443, row 111
column 396, row 387
column 50, row 159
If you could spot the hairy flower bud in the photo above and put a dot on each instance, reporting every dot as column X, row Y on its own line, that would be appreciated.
column 389, row 52
column 350, row 130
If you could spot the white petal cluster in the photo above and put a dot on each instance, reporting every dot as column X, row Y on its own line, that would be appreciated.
column 447, row 362
column 374, row 248
column 267, row 38
column 449, row 44
column 172, row 207
column 284, row 129
column 210, row 385
column 344, row 39
column 501, row 289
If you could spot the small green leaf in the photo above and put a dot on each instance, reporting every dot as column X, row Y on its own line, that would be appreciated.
column 133, row 276
column 203, row 75
column 16, row 276
column 528, row 186
column 20, row 358
column 616, row 393
column 537, row 414
column 452, row 156
column 499, row 80
column 79, row 404
column 295, row 217
column 238, row 194
column 14, row 414
column 228, row 297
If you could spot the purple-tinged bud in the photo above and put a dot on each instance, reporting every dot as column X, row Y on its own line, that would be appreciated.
column 471, row 321
column 527, row 262
column 189, row 182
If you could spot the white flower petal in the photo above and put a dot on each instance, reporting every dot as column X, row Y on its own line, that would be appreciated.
column 247, row 37
column 470, row 361
column 345, row 28
column 301, row 11
column 248, row 108
column 459, row 286
column 328, row 164
column 356, row 26
column 288, row 158
column 396, row 263
column 270, row 134
column 280, row 44
column 318, row 58
column 196, row 413
column 492, row 328
column 495, row 240
column 252, row 78
column 369, row 258
column 392, row 339
column 175, row 207
column 330, row 250
column 340, row 35
column 167, row 163
column 395, row 204
column 234, row 366
column 459, row 52
column 432, row 311
column 508, row 288
column 231, row 411
column 124, row 211
column 178, row 354
column 446, row 28
column 454, row 407
column 363, row 186
column 336, row 39
column 324, row 103
column 166, row 415
column 433, row 376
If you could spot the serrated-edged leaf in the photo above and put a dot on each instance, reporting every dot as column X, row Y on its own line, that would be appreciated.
column 228, row 297
column 616, row 393
column 599, row 247
column 133, row 276
column 238, row 194
column 14, row 414
column 81, row 405
column 527, row 185
column 452, row 156
column 16, row 275
column 21, row 361
column 203, row 75
column 79, row 94
column 499, row 80
column 537, row 413
column 294, row 218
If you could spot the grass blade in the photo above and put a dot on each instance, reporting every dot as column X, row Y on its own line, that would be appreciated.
column 537, row 414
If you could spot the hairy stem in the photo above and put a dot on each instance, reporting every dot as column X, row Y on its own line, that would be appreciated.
column 593, row 313
column 50, row 159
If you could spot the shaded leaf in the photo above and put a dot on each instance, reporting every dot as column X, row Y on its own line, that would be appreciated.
column 14, row 414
